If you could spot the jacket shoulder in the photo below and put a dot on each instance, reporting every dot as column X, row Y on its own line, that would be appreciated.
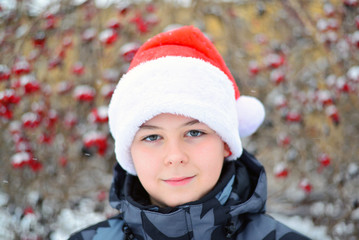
column 108, row 229
column 263, row 226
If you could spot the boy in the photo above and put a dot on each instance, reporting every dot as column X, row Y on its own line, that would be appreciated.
column 177, row 117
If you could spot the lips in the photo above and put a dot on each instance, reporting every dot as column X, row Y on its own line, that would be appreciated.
column 179, row 181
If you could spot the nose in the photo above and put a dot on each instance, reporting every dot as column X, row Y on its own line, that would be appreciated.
column 175, row 154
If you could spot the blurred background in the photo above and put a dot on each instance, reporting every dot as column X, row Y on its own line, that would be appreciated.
column 59, row 64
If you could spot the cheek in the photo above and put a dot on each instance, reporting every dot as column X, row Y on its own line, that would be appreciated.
column 212, row 148
column 211, row 156
column 143, row 159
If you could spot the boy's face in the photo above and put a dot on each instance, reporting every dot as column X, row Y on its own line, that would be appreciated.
column 177, row 159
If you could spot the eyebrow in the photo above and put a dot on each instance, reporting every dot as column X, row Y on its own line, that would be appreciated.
column 146, row 126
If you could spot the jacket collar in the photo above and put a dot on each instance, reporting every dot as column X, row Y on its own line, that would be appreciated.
column 241, row 189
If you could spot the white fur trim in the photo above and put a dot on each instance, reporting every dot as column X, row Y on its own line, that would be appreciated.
column 250, row 115
column 178, row 85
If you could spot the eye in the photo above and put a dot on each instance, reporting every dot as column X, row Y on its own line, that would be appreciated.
column 151, row 138
column 194, row 133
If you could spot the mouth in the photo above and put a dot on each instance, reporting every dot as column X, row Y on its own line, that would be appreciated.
column 179, row 181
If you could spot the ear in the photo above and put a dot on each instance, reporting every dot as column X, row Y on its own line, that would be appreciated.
column 227, row 150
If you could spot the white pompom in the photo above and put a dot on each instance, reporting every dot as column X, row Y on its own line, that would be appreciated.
column 251, row 114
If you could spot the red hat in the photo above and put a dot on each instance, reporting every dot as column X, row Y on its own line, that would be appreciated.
column 181, row 72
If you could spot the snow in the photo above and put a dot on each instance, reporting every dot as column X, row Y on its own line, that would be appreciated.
column 343, row 229
column 102, row 111
column 70, row 221
column 353, row 169
column 4, row 198
column 5, row 225
column 131, row 46
column 84, row 89
column 353, row 73
column 29, row 116
column 304, row 226
column 20, row 157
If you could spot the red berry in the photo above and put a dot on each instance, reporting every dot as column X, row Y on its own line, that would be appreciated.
column 46, row 138
column 39, row 108
column 70, row 120
column 20, row 159
column 277, row 76
column 84, row 93
column 305, row 185
column 50, row 23
column 39, row 39
column 140, row 23
column 89, row 34
column 97, row 140
column 332, row 113
column 281, row 171
column 30, row 84
column 22, row 145
column 333, row 24
column 343, row 85
column 114, row 24
column 28, row 210
column 67, row 42
column 35, row 165
column 253, row 68
column 21, row 67
column 4, row 73
column 329, row 10
column 108, row 36
column 330, row 37
column 9, row 97
column 283, row 140
column 5, row 112
column 78, row 69
column 107, row 90
column 15, row 127
column 54, row 62
column 124, row 8
column 99, row 115
column 324, row 159
column 280, row 101
column 129, row 50
column 325, row 97
column 274, row 60
column 30, row 120
column 293, row 116
column 51, row 119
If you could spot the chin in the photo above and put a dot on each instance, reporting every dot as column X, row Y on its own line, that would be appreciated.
column 177, row 202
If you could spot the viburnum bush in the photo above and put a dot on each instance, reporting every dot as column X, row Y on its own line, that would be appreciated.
column 59, row 68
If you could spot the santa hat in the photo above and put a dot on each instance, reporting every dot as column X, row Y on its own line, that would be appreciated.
column 180, row 72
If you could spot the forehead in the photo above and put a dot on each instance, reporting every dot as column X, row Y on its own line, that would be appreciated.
column 167, row 117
